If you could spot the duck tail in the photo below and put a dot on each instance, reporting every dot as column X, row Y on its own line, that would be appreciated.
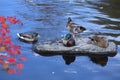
column 18, row 34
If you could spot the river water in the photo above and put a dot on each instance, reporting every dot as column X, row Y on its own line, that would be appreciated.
column 49, row 18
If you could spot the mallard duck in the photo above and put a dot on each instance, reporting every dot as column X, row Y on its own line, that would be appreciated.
column 28, row 36
column 100, row 41
column 68, row 40
column 73, row 27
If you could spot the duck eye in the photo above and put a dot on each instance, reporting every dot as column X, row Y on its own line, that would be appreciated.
column 92, row 40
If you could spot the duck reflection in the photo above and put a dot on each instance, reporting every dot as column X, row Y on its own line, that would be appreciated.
column 69, row 58
column 101, row 60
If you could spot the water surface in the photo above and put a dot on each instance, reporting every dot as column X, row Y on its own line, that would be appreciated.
column 48, row 18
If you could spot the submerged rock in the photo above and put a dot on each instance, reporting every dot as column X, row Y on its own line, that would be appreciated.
column 82, row 47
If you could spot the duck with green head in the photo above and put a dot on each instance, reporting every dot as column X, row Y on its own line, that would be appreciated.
column 73, row 27
column 28, row 36
column 69, row 40
column 100, row 41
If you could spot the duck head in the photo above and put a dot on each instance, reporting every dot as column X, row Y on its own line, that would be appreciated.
column 69, row 19
column 68, row 40
column 68, row 36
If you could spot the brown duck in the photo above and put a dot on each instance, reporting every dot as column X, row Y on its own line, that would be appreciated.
column 73, row 27
column 100, row 41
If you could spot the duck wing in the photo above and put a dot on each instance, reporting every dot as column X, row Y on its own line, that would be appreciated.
column 73, row 25
column 27, row 36
column 22, row 36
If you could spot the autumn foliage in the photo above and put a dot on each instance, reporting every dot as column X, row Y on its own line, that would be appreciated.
column 10, row 53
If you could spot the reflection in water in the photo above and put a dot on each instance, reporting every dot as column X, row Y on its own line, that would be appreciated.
column 69, row 58
column 105, row 13
column 110, row 10
column 97, row 59
column 109, row 7
column 101, row 60
column 113, row 8
column 48, row 13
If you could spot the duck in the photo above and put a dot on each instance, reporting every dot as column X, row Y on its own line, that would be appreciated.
column 74, row 27
column 100, row 41
column 68, row 40
column 28, row 36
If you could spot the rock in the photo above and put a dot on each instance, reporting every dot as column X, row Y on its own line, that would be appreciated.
column 82, row 47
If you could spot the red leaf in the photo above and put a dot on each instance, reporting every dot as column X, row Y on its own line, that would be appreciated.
column 5, row 31
column 19, row 66
column 4, row 25
column 11, row 19
column 11, row 71
column 2, row 48
column 23, row 59
column 12, row 60
column 2, row 19
column 1, row 40
column 7, row 38
column 7, row 45
column 1, row 61
column 19, row 22
column 2, row 55
column 5, row 65
column 15, row 49
column 7, row 42
column 18, row 52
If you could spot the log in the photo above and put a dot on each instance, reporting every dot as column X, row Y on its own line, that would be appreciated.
column 82, row 47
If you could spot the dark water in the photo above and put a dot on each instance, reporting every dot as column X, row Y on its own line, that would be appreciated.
column 48, row 18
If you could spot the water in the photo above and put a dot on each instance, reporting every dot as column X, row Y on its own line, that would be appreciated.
column 49, row 18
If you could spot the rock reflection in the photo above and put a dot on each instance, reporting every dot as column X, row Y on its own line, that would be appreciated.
column 101, row 60
column 70, row 58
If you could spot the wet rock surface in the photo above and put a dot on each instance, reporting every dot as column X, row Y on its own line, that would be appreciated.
column 82, row 47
